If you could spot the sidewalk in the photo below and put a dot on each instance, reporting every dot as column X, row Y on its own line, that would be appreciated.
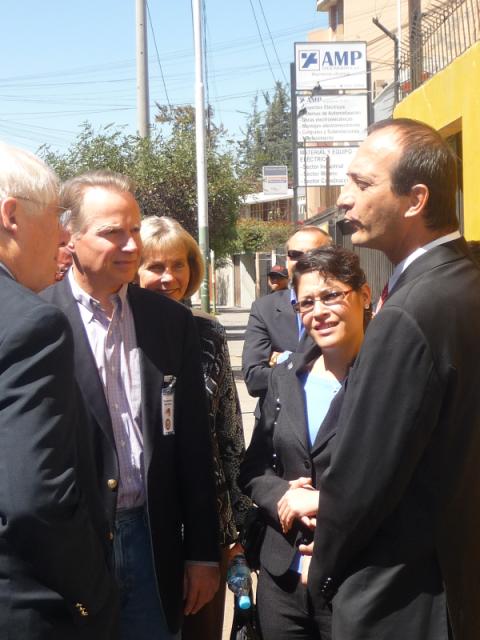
column 235, row 322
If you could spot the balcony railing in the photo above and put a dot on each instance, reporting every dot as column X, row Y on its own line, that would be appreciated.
column 436, row 38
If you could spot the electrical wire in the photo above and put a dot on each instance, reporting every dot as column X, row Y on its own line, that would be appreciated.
column 158, row 56
column 272, row 41
column 261, row 40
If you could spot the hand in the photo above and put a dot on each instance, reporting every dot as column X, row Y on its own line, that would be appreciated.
column 200, row 583
column 235, row 550
column 297, row 503
column 305, row 567
column 306, row 549
column 300, row 482
column 273, row 358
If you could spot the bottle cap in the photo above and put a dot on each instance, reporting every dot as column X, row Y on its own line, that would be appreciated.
column 244, row 602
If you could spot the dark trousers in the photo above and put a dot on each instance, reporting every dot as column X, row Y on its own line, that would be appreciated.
column 284, row 610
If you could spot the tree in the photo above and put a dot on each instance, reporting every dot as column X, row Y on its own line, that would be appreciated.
column 258, row 235
column 267, row 138
column 164, row 171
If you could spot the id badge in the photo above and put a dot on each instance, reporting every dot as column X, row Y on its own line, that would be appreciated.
column 168, row 405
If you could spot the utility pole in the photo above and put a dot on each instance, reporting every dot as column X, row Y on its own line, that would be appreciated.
column 293, row 102
column 202, row 189
column 415, row 37
column 396, row 58
column 143, row 115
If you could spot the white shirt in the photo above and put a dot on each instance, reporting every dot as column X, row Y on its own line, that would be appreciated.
column 401, row 266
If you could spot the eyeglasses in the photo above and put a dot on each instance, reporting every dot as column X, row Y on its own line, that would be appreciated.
column 327, row 298
column 293, row 254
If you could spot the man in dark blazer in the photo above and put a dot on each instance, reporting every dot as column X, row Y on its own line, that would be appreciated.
column 398, row 525
column 137, row 363
column 54, row 579
column 273, row 327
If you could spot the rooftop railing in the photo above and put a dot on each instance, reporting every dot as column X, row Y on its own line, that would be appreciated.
column 436, row 38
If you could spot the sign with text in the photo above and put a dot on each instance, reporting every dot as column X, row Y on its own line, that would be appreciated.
column 316, row 157
column 275, row 179
column 331, row 65
column 332, row 118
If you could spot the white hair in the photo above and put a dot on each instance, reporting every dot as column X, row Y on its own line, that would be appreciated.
column 24, row 175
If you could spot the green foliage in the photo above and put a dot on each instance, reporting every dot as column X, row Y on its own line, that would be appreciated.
column 164, row 171
column 267, row 138
column 258, row 235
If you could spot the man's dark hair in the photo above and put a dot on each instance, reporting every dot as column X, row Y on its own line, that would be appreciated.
column 427, row 159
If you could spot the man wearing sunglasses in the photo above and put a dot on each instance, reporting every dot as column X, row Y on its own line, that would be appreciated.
column 273, row 330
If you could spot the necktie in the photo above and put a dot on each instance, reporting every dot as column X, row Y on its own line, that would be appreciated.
column 383, row 297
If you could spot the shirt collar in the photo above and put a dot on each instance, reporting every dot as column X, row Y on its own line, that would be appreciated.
column 7, row 270
column 401, row 266
column 91, row 304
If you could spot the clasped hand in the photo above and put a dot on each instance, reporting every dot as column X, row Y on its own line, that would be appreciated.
column 300, row 501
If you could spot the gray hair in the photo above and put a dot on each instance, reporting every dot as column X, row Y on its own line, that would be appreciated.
column 73, row 190
column 23, row 175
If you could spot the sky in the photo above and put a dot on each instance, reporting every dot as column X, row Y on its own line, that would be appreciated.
column 65, row 62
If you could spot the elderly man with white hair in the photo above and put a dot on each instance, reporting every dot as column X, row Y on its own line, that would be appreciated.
column 54, row 580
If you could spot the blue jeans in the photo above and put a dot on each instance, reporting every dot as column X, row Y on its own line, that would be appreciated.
column 141, row 611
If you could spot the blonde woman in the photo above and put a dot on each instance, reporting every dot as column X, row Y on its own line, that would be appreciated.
column 172, row 265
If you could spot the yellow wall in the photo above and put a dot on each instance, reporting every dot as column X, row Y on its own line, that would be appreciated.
column 450, row 102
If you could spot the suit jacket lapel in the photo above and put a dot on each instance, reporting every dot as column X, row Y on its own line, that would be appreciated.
column 329, row 424
column 443, row 253
column 328, row 428
column 86, row 370
column 151, row 376
column 294, row 394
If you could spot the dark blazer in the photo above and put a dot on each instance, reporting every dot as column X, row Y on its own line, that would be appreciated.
column 54, row 581
column 399, row 512
column 178, row 468
column 272, row 326
column 279, row 451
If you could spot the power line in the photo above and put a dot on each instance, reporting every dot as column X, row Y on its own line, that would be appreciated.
column 158, row 56
column 261, row 40
column 272, row 41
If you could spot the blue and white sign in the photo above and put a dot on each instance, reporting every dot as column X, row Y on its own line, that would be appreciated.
column 275, row 179
column 331, row 65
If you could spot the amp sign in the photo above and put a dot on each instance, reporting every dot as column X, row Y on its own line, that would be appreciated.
column 331, row 65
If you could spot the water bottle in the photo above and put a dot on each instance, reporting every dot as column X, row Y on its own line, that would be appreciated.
column 239, row 580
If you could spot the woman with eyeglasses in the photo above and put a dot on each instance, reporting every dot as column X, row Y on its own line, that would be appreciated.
column 292, row 443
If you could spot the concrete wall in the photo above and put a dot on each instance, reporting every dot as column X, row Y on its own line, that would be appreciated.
column 247, row 280
column 225, row 284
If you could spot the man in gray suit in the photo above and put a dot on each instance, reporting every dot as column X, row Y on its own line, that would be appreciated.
column 396, row 539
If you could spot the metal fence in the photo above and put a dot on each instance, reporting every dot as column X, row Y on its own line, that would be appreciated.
column 436, row 37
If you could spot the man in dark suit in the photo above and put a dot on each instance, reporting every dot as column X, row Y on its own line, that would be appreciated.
column 396, row 539
column 273, row 327
column 137, row 363
column 54, row 580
